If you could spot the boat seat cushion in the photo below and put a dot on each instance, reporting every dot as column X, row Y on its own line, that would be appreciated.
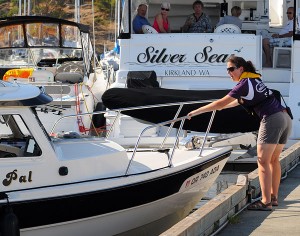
column 69, row 77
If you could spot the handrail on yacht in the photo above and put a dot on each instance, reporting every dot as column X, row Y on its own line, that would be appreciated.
column 171, row 122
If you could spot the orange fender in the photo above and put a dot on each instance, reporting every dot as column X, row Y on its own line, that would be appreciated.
column 23, row 73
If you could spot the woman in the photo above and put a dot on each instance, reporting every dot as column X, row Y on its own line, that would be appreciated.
column 198, row 22
column 161, row 23
column 275, row 125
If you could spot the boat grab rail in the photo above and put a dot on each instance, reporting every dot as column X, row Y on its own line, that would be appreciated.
column 119, row 110
column 171, row 122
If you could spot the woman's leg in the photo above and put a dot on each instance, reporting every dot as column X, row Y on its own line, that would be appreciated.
column 276, row 170
column 264, row 157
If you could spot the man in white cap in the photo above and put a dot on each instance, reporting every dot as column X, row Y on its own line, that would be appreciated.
column 140, row 19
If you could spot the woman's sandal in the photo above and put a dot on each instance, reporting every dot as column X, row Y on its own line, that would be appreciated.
column 274, row 200
column 260, row 206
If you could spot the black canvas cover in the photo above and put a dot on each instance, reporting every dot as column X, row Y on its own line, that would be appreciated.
column 226, row 121
column 142, row 79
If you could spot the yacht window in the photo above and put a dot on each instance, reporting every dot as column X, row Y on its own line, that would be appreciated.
column 15, row 138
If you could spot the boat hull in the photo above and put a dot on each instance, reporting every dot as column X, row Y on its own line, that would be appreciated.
column 157, row 203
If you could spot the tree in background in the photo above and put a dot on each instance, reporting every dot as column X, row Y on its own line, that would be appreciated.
column 54, row 8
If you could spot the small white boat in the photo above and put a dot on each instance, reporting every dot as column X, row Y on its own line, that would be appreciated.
column 79, row 185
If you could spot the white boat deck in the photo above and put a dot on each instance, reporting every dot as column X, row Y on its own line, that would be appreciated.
column 148, row 160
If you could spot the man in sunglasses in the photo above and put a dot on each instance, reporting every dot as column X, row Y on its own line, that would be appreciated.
column 283, row 38
column 140, row 19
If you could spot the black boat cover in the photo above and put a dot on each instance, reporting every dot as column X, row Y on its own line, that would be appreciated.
column 230, row 120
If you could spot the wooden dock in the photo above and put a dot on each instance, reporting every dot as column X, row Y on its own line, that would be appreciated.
column 226, row 213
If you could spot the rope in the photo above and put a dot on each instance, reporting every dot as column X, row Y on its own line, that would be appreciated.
column 78, row 111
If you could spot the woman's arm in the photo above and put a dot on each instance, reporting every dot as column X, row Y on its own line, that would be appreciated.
column 220, row 104
column 232, row 104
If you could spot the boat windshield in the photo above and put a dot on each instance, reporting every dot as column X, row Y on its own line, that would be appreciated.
column 15, row 138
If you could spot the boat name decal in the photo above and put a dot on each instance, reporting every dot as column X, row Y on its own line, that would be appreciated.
column 202, row 57
column 153, row 55
column 13, row 176
column 202, row 175
column 186, row 72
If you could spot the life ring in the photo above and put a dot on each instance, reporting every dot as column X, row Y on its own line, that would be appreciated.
column 23, row 73
column 147, row 29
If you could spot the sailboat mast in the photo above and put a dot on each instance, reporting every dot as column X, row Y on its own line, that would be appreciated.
column 29, row 7
column 26, row 7
column 20, row 8
column 77, row 11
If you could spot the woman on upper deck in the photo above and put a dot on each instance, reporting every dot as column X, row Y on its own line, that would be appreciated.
column 275, row 125
column 198, row 22
column 161, row 23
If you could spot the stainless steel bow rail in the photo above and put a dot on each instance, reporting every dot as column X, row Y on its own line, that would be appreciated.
column 169, row 122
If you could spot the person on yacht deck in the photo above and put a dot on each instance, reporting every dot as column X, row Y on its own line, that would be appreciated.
column 233, row 19
column 283, row 38
column 161, row 23
column 198, row 22
column 140, row 19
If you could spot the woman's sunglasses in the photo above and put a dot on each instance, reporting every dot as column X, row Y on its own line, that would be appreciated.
column 231, row 69
column 164, row 9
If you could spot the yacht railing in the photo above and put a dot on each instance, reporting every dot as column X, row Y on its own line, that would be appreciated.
column 169, row 122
